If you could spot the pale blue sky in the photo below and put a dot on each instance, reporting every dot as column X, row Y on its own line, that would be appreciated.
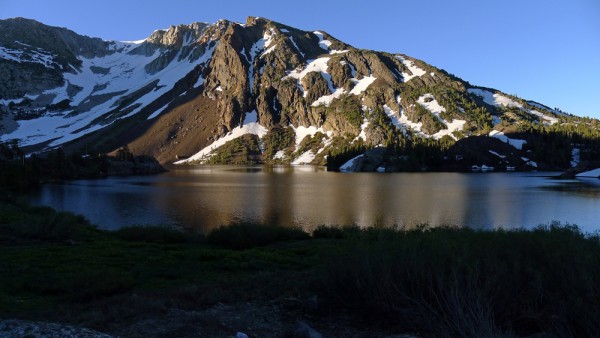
column 547, row 51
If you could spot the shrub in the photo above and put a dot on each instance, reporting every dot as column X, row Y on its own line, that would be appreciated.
column 323, row 231
column 473, row 283
column 155, row 234
column 313, row 143
column 241, row 236
column 347, row 108
column 100, row 284
column 278, row 138
column 333, row 232
column 44, row 223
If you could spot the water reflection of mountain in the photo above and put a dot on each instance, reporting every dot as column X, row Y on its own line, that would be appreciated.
column 586, row 187
column 205, row 197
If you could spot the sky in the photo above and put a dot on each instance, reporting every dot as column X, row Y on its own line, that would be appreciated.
column 542, row 50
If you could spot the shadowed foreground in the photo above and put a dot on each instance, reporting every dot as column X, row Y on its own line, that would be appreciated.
column 267, row 281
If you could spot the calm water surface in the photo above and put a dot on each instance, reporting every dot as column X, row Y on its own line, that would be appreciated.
column 204, row 197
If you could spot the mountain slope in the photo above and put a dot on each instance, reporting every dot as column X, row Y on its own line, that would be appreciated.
column 191, row 93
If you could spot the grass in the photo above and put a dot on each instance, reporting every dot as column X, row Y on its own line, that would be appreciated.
column 432, row 282
column 242, row 236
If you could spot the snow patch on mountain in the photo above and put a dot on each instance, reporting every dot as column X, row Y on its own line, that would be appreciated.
column 393, row 116
column 496, row 99
column 414, row 69
column 575, row 157
column 325, row 44
column 30, row 56
column 429, row 102
column 259, row 47
column 135, row 42
column 268, row 39
column 541, row 106
column 548, row 119
column 359, row 87
column 517, row 143
column 451, row 127
column 48, row 128
column 410, row 124
column 167, row 77
column 279, row 155
column 529, row 162
column 352, row 69
column 592, row 173
column 401, row 121
column 157, row 112
column 199, row 82
column 301, row 132
column 307, row 157
column 250, row 126
column 317, row 65
column 496, row 154
column 126, row 74
column 296, row 46
column 362, row 84
column 7, row 102
column 326, row 99
column 320, row 65
column 364, row 125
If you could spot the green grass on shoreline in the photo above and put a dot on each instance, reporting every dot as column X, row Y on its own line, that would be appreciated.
column 433, row 282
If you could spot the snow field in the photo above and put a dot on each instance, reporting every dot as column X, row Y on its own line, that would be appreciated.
column 126, row 73
column 495, row 99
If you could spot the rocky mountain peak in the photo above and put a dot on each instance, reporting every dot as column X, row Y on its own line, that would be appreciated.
column 177, row 36
column 256, row 21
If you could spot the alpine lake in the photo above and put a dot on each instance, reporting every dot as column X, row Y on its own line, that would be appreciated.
column 201, row 198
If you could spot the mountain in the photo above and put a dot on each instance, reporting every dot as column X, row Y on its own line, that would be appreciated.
column 264, row 92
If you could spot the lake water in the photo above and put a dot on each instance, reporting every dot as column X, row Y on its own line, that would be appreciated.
column 204, row 197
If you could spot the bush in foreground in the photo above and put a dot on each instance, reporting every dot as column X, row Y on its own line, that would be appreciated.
column 466, row 283
column 43, row 223
column 155, row 234
column 243, row 236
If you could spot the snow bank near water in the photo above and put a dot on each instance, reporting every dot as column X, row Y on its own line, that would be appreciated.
column 346, row 167
column 592, row 173
column 250, row 126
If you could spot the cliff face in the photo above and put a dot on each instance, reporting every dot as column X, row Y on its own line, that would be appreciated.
column 184, row 92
